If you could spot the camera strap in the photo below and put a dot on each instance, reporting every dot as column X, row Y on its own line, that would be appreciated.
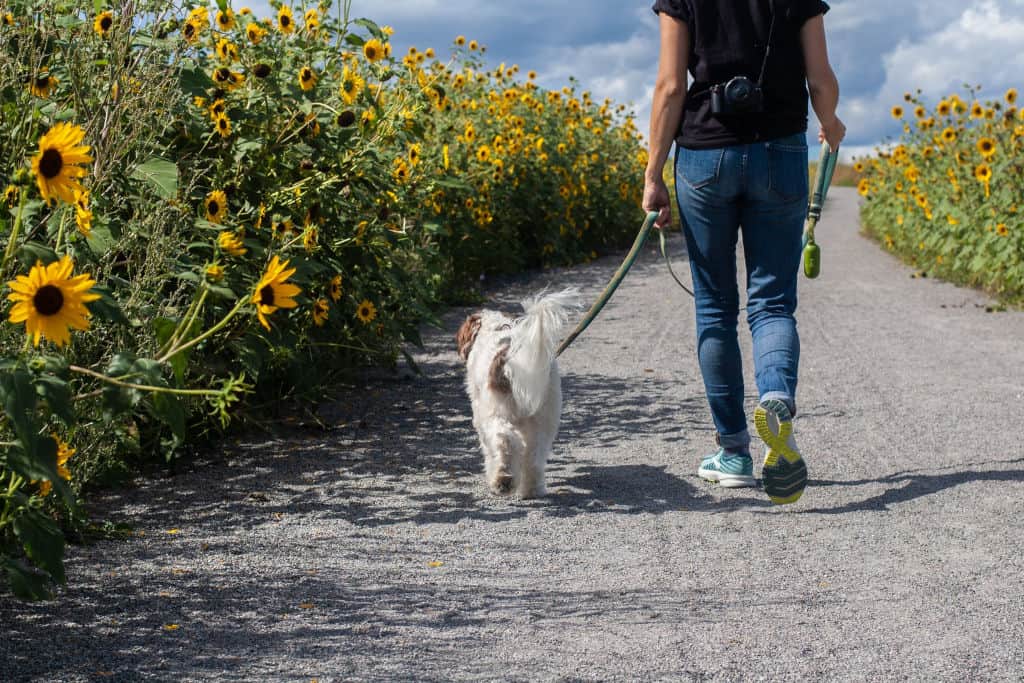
column 768, row 45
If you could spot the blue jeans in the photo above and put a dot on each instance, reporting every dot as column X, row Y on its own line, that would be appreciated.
column 760, row 190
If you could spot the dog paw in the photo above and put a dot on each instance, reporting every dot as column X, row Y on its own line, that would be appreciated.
column 533, row 492
column 502, row 485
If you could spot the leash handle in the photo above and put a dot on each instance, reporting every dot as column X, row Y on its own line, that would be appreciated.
column 823, row 179
column 627, row 263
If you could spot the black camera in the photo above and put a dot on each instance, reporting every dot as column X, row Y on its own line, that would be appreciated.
column 738, row 96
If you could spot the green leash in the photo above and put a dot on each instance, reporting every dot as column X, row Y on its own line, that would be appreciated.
column 613, row 284
column 822, row 180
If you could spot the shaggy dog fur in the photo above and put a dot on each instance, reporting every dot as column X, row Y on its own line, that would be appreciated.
column 515, row 388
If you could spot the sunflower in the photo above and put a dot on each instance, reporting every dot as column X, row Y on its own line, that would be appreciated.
column 49, row 301
column 225, row 19
column 216, row 204
column 334, row 288
column 320, row 311
column 273, row 292
column 102, row 24
column 7, row 19
column 311, row 19
column 1002, row 230
column 401, row 170
column 214, row 272
column 1011, row 96
column 64, row 453
column 351, row 85
column 986, row 147
column 83, row 215
column 366, row 312
column 373, row 50
column 977, row 111
column 473, row 45
column 190, row 31
column 57, row 165
column 227, row 79
column 460, row 40
column 983, row 172
column 949, row 135
column 307, row 77
column 285, row 20
column 310, row 237
column 864, row 187
column 11, row 193
column 227, row 51
column 42, row 86
column 223, row 125
column 231, row 244
column 254, row 32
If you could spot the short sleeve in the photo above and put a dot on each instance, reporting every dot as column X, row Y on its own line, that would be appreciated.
column 802, row 10
column 673, row 8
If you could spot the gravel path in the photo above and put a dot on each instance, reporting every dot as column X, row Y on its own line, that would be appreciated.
column 372, row 551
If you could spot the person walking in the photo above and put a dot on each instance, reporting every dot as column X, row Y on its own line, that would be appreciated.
column 740, row 132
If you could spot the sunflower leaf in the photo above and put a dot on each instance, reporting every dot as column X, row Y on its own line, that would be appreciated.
column 161, row 174
column 25, row 582
column 107, row 308
column 168, row 409
column 43, row 542
column 31, row 253
column 57, row 394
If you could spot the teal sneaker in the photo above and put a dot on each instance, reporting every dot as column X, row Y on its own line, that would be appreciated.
column 784, row 473
column 731, row 470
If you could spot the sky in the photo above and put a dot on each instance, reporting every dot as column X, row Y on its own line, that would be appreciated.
column 879, row 48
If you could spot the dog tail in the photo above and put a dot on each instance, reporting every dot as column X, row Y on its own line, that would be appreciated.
column 534, row 340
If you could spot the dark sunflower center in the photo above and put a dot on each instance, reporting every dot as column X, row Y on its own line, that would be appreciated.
column 346, row 118
column 222, row 74
column 213, row 207
column 51, row 163
column 261, row 70
column 285, row 20
column 267, row 295
column 106, row 23
column 370, row 53
column 222, row 123
column 190, row 30
column 42, row 82
column 48, row 300
column 307, row 74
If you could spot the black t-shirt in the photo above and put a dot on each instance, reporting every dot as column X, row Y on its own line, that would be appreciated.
column 727, row 39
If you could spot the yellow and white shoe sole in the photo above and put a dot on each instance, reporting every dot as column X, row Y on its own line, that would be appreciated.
column 784, row 474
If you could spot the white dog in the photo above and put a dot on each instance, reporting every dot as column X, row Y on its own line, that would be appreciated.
column 515, row 388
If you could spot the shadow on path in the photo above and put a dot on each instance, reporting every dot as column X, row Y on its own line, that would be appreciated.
column 915, row 484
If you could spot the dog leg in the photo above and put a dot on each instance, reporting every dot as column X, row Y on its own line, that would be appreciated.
column 533, row 464
column 502, row 451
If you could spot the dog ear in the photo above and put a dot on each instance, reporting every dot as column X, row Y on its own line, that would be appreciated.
column 467, row 335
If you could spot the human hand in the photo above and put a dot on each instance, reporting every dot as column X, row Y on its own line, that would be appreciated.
column 832, row 132
column 656, row 198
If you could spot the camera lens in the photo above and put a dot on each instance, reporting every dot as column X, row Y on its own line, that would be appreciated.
column 739, row 90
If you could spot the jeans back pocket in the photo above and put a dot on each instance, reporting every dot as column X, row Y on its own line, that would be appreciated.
column 788, row 169
column 699, row 167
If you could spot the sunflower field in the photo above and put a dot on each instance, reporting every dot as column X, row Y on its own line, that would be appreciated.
column 949, row 196
column 205, row 212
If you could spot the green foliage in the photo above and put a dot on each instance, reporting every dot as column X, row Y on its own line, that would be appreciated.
column 947, row 198
column 248, row 208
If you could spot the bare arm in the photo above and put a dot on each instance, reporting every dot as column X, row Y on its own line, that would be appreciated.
column 666, row 111
column 821, row 81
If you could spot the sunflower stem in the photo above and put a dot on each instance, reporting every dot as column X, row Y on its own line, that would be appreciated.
column 143, row 387
column 205, row 335
column 186, row 322
column 13, row 239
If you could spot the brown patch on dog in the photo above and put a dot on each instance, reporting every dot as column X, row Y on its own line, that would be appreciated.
column 497, row 380
column 467, row 335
